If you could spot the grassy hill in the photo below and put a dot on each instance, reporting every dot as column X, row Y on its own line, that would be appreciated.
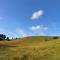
column 31, row 48
column 28, row 40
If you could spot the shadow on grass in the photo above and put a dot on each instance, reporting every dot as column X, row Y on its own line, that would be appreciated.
column 5, row 46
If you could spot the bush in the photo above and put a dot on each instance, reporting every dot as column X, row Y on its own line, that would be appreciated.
column 2, row 36
column 1, row 39
column 16, row 58
column 8, row 38
column 26, row 57
column 55, row 37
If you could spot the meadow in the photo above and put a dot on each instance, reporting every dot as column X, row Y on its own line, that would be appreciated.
column 31, row 48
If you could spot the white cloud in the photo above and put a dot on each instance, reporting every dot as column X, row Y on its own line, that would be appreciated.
column 37, row 14
column 39, row 28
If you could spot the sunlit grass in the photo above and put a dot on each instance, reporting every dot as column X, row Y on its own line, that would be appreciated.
column 25, row 50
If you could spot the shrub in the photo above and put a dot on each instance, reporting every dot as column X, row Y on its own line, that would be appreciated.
column 2, row 36
column 55, row 37
column 8, row 38
column 16, row 58
column 26, row 57
column 1, row 39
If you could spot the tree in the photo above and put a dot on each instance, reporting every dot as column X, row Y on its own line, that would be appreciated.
column 8, row 38
column 16, row 38
column 2, row 37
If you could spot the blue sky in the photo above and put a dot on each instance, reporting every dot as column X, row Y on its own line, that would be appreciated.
column 19, row 18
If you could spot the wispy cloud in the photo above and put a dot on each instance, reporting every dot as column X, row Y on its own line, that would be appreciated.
column 37, row 14
column 7, row 33
column 12, row 34
column 38, row 28
column 22, row 33
column 19, row 31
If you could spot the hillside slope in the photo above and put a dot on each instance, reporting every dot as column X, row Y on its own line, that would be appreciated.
column 31, row 48
column 28, row 40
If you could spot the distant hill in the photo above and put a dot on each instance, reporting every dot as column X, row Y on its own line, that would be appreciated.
column 29, row 40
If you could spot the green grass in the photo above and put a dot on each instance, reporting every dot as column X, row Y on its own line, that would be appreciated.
column 31, row 48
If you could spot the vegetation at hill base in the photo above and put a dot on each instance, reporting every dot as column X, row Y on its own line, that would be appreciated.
column 3, row 37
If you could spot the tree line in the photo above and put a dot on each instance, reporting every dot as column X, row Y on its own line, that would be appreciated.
column 3, row 37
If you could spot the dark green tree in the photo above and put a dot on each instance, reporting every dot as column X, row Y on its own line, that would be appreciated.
column 8, row 38
column 2, row 37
